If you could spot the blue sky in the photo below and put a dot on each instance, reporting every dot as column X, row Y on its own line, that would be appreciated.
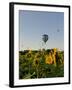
column 33, row 24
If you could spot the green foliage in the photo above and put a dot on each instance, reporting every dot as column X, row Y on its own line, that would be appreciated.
column 32, row 65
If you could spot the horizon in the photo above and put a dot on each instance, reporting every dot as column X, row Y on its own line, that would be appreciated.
column 41, row 49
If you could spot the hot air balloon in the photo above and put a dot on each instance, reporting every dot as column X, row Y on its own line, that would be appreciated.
column 58, row 30
column 45, row 38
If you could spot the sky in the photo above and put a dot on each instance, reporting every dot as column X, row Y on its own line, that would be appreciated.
column 33, row 24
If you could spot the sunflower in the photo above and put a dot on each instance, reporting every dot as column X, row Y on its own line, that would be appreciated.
column 54, row 59
column 36, row 62
column 55, row 50
column 48, row 59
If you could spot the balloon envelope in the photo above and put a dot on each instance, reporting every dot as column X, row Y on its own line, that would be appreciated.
column 45, row 38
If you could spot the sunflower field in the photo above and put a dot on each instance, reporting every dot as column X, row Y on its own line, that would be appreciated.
column 41, row 63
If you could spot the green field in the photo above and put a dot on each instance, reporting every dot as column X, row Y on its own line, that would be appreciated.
column 37, row 64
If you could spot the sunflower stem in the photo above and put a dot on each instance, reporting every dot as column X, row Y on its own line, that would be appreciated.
column 37, row 71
